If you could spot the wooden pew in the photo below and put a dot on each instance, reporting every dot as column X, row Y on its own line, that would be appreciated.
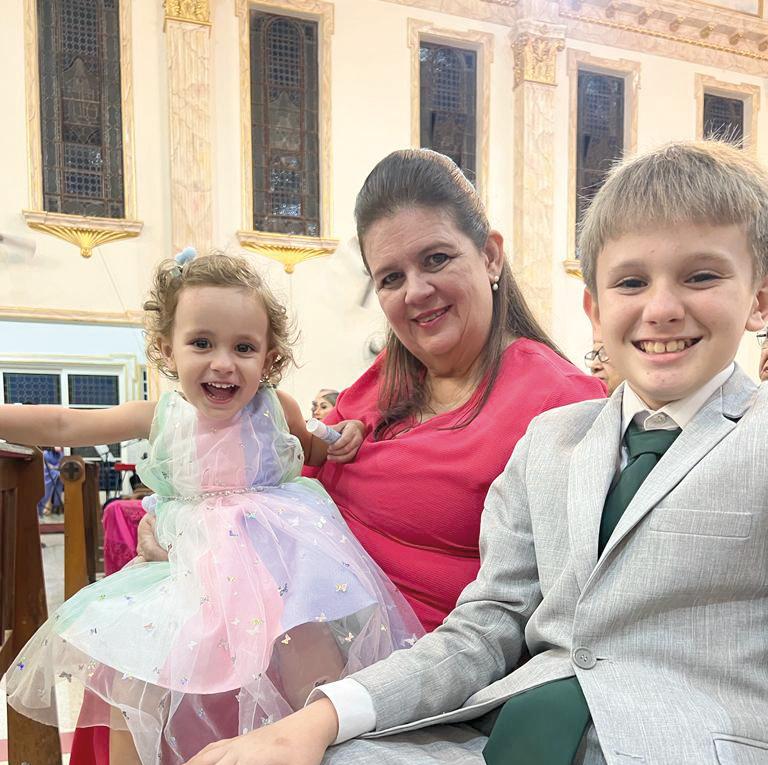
column 22, row 591
column 83, row 537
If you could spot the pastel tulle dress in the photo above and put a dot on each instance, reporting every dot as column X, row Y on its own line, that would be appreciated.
column 265, row 590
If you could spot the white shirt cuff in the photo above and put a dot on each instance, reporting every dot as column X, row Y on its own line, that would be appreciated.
column 353, row 705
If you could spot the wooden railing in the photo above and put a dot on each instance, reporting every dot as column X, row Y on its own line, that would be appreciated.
column 22, row 591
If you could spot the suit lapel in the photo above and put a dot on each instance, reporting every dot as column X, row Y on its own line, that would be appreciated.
column 592, row 467
column 714, row 421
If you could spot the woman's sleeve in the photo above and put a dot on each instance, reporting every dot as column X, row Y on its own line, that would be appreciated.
column 572, row 388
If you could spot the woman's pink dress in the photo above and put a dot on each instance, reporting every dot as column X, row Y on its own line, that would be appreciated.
column 414, row 501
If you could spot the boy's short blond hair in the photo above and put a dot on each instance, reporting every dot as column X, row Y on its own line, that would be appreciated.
column 705, row 182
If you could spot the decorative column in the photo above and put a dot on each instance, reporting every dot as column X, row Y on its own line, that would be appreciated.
column 535, row 47
column 188, row 51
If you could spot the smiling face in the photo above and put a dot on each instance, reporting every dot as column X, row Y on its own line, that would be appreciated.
column 673, row 304
column 434, row 285
column 219, row 348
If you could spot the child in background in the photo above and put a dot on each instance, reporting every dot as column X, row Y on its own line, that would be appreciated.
column 265, row 593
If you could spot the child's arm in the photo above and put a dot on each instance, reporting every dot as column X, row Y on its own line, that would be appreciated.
column 75, row 427
column 316, row 451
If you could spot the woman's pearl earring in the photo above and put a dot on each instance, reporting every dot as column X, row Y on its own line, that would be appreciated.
column 495, row 284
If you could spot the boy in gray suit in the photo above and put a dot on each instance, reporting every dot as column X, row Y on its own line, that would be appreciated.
column 626, row 542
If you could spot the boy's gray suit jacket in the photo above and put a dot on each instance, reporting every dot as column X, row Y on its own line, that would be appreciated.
column 667, row 632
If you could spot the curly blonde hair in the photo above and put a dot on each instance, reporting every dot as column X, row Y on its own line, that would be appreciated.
column 216, row 269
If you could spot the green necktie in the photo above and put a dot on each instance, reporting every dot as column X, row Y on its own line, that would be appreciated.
column 545, row 725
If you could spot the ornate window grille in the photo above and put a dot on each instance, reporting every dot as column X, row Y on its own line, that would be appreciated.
column 284, row 124
column 448, row 95
column 80, row 107
column 34, row 388
column 724, row 119
column 599, row 133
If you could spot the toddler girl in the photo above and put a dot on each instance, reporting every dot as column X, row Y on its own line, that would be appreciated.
column 265, row 593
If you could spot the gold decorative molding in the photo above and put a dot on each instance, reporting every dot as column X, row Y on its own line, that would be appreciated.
column 628, row 70
column 573, row 268
column 690, row 27
column 194, row 11
column 83, row 231
column 32, row 87
column 323, row 13
column 482, row 43
column 28, row 313
column 535, row 57
column 288, row 250
column 749, row 94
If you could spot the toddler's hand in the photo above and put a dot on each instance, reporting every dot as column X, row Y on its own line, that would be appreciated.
column 345, row 449
column 146, row 544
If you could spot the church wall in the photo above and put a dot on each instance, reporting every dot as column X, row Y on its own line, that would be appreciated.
column 371, row 97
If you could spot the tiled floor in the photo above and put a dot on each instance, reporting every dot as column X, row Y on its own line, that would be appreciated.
column 68, row 706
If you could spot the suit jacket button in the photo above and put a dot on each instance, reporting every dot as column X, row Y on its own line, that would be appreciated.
column 584, row 658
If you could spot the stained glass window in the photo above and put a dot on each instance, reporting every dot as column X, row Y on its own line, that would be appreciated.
column 599, row 133
column 22, row 388
column 724, row 119
column 93, row 390
column 284, row 124
column 448, row 95
column 80, row 107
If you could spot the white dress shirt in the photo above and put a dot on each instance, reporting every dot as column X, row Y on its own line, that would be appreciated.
column 353, row 703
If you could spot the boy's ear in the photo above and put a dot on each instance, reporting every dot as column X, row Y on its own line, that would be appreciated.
column 758, row 315
column 592, row 309
column 167, row 350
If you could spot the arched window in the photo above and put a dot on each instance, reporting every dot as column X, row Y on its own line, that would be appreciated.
column 284, row 125
column 80, row 107
column 448, row 94
column 599, row 133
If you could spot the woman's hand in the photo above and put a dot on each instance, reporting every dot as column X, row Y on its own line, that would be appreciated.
column 299, row 739
column 146, row 544
column 345, row 449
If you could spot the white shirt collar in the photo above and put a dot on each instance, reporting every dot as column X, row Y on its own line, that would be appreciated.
column 676, row 414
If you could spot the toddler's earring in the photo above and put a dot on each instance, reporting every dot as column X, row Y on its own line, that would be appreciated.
column 495, row 284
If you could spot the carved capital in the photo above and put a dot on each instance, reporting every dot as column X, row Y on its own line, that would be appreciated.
column 195, row 11
column 535, row 58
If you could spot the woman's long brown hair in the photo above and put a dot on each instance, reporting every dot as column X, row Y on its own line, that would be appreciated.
column 424, row 178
